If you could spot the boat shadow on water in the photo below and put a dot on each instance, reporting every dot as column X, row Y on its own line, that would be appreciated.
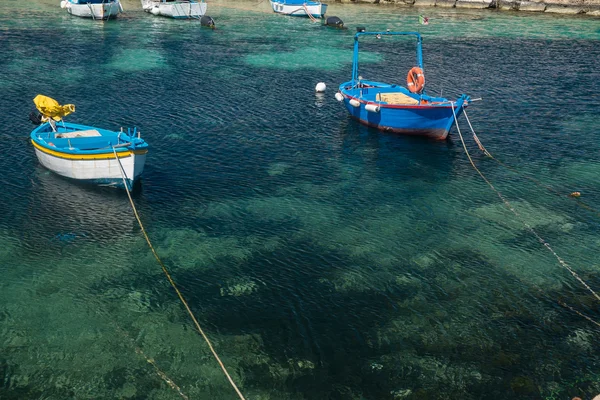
column 74, row 211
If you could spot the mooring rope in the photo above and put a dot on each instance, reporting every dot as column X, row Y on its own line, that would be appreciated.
column 91, row 11
column 151, row 361
column 579, row 202
column 313, row 19
column 172, row 282
column 511, row 208
column 578, row 313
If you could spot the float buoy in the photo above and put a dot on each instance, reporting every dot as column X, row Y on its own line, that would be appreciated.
column 35, row 117
column 339, row 96
column 415, row 80
column 374, row 108
column 334, row 22
column 575, row 194
column 320, row 87
column 207, row 21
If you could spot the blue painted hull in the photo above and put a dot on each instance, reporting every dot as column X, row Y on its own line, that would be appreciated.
column 394, row 108
column 433, row 121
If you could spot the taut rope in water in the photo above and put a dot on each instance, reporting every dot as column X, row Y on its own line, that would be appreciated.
column 151, row 361
column 511, row 208
column 540, row 184
column 172, row 282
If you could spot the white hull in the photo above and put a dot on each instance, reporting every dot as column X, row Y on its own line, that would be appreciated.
column 175, row 9
column 100, row 171
column 110, row 9
column 299, row 10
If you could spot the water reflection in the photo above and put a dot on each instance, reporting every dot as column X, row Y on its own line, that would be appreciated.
column 70, row 211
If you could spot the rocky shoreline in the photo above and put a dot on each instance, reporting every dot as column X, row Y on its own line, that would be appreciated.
column 588, row 7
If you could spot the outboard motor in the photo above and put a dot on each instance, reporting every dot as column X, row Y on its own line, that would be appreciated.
column 35, row 118
column 207, row 21
column 334, row 22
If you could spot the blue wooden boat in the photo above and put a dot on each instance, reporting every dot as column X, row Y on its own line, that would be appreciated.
column 394, row 108
column 299, row 8
column 85, row 153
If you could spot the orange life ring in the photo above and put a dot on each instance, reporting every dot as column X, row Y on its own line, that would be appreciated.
column 415, row 81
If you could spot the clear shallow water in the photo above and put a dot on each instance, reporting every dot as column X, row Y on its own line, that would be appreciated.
column 326, row 260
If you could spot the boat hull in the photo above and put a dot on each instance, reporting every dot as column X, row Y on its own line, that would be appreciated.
column 99, row 11
column 176, row 9
column 96, row 159
column 100, row 171
column 432, row 121
column 300, row 10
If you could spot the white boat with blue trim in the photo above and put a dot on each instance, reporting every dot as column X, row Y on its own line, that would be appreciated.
column 180, row 9
column 299, row 8
column 95, row 9
column 85, row 153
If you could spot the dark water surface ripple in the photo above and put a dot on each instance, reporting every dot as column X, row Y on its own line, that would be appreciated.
column 326, row 260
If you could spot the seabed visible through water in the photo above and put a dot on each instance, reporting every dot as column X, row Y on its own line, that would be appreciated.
column 324, row 259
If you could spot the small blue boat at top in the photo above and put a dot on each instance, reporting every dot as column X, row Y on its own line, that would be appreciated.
column 393, row 108
column 299, row 8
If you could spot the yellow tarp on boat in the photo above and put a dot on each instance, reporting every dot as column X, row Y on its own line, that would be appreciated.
column 50, row 108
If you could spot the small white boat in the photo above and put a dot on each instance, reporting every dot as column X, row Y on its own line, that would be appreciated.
column 85, row 153
column 299, row 8
column 95, row 9
column 180, row 9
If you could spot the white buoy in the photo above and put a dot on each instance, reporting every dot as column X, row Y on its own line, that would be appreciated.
column 155, row 11
column 320, row 87
column 354, row 103
column 63, row 4
column 339, row 96
column 372, row 108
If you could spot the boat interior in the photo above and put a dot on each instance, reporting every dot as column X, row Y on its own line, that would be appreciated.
column 390, row 94
column 68, row 137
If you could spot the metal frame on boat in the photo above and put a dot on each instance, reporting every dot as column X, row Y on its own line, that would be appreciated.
column 394, row 108
column 299, row 8
column 95, row 9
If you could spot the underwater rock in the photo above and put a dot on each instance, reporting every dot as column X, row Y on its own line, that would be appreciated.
column 581, row 339
column 523, row 386
column 534, row 216
column 504, row 360
column 239, row 287
column 277, row 168
column 302, row 364
column 401, row 393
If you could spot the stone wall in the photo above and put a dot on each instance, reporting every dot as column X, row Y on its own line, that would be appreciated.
column 588, row 7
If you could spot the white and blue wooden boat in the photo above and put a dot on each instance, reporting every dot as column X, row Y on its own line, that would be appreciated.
column 395, row 108
column 299, row 8
column 181, row 9
column 95, row 9
column 87, row 153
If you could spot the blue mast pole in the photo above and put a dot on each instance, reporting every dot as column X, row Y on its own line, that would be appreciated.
column 419, row 51
column 355, row 60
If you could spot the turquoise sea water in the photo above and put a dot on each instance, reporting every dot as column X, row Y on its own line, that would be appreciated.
column 324, row 259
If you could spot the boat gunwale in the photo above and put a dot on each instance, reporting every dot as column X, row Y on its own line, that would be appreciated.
column 105, row 152
column 386, row 105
